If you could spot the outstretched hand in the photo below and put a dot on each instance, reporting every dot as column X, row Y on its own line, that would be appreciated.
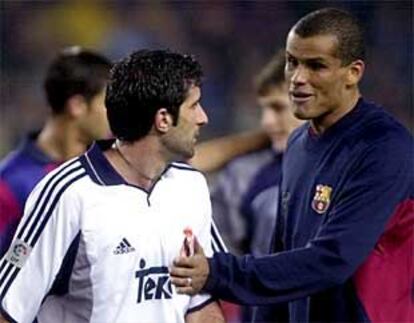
column 189, row 274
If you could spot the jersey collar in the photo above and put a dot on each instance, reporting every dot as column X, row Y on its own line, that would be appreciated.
column 98, row 167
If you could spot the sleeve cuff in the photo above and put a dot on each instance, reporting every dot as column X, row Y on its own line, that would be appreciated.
column 212, row 281
column 200, row 306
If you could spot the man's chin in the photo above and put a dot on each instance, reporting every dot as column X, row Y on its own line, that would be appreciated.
column 302, row 113
column 186, row 155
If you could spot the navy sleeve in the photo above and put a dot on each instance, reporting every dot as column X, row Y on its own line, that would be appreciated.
column 381, row 180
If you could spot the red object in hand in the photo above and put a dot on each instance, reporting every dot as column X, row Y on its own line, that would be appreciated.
column 187, row 249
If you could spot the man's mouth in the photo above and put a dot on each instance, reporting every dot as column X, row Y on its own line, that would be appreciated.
column 299, row 96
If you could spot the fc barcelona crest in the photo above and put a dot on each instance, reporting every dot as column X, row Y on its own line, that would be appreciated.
column 322, row 198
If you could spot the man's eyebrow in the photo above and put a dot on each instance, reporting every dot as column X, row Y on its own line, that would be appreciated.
column 196, row 100
column 311, row 59
column 315, row 60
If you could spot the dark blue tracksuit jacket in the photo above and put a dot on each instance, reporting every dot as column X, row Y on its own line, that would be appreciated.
column 343, row 245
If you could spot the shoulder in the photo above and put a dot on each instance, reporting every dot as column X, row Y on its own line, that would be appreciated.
column 184, row 180
column 12, row 162
column 60, row 181
column 184, row 172
column 182, row 166
column 381, row 130
column 183, row 169
column 19, row 174
column 381, row 146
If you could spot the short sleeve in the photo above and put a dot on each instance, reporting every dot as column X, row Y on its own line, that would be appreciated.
column 48, row 227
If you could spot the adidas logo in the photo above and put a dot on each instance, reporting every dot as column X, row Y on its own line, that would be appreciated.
column 123, row 247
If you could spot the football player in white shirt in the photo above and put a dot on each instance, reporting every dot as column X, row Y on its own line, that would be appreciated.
column 100, row 232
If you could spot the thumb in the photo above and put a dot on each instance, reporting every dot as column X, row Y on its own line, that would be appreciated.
column 198, row 249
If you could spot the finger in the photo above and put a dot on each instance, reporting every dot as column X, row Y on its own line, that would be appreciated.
column 180, row 271
column 182, row 262
column 181, row 281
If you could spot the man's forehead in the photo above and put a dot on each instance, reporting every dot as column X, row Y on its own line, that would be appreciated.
column 313, row 47
column 193, row 92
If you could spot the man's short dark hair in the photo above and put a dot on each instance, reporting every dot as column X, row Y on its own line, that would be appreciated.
column 339, row 23
column 144, row 82
column 272, row 74
column 75, row 71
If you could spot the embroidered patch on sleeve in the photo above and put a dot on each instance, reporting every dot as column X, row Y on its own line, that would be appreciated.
column 18, row 253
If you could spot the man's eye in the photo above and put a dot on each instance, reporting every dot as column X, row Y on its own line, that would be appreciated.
column 316, row 66
column 291, row 61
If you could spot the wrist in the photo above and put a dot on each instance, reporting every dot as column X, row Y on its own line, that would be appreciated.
column 211, row 281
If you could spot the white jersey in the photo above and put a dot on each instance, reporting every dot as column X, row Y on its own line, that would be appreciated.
column 93, row 248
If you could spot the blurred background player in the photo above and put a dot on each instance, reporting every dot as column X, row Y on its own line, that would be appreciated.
column 258, row 205
column 244, row 198
column 238, row 191
column 75, row 89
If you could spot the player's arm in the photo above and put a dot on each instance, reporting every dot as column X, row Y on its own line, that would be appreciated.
column 213, row 154
column 47, row 232
column 203, row 307
column 377, row 188
column 210, row 313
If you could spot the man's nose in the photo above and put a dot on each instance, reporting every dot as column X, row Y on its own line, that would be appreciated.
column 300, row 75
column 202, row 116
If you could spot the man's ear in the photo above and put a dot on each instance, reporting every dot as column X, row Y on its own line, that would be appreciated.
column 163, row 120
column 355, row 72
column 76, row 106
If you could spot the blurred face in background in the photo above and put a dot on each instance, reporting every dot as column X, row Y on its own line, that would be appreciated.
column 94, row 123
column 277, row 118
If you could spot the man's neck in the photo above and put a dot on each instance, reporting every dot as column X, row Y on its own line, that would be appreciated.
column 60, row 140
column 140, row 163
column 320, row 125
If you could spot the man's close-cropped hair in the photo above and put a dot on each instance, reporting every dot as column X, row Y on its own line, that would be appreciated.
column 75, row 71
column 339, row 23
column 272, row 75
column 143, row 83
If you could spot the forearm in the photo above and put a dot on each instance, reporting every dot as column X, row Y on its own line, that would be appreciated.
column 215, row 153
column 272, row 279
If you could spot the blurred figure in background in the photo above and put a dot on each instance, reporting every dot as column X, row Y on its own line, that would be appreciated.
column 258, row 205
column 236, row 187
column 75, row 89
column 244, row 203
